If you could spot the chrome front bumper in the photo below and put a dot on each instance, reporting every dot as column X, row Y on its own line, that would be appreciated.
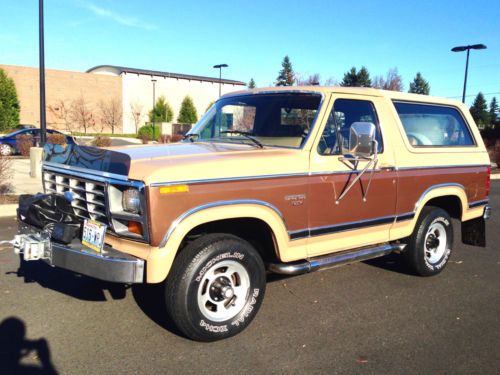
column 111, row 265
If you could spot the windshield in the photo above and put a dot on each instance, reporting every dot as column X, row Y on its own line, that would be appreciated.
column 281, row 120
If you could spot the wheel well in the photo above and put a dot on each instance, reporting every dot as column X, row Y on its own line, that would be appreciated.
column 449, row 203
column 255, row 231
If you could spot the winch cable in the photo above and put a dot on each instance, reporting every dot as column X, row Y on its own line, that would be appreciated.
column 11, row 242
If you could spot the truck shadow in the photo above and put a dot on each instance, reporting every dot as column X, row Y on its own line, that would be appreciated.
column 391, row 262
column 14, row 347
column 151, row 300
column 69, row 283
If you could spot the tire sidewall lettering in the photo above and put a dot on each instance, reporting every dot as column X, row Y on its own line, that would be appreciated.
column 227, row 255
column 252, row 300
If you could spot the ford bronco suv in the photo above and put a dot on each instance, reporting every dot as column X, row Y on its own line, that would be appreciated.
column 284, row 180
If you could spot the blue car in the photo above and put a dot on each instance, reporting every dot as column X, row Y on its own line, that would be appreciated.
column 8, row 143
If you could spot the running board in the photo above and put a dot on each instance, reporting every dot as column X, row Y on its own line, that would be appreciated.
column 330, row 260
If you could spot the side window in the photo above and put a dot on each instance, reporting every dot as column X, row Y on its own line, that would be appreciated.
column 345, row 112
column 433, row 125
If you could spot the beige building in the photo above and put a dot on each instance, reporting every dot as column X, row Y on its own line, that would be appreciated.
column 62, row 90
column 137, row 89
column 128, row 88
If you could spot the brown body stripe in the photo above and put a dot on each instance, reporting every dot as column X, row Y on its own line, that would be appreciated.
column 392, row 196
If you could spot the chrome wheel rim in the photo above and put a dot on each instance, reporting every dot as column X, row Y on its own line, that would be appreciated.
column 435, row 243
column 5, row 150
column 223, row 291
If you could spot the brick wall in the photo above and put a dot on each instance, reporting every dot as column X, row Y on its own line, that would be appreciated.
column 67, row 87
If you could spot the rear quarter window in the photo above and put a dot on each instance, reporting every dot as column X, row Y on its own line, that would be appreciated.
column 433, row 125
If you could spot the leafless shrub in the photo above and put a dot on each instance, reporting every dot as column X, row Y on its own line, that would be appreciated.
column 5, row 175
column 56, row 139
column 101, row 141
column 24, row 143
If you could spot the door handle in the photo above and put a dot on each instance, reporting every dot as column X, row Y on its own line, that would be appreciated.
column 387, row 166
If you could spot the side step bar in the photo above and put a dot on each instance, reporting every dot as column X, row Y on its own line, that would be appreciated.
column 330, row 260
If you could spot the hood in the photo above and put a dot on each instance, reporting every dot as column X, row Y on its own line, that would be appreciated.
column 176, row 162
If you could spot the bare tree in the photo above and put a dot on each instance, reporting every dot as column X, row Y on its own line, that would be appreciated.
column 311, row 80
column 136, row 112
column 111, row 114
column 81, row 114
column 62, row 113
column 392, row 82
column 331, row 82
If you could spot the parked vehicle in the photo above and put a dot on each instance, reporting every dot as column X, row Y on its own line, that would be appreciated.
column 24, row 126
column 288, row 180
column 8, row 143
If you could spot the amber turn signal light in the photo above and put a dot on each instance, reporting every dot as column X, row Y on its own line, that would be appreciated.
column 174, row 189
column 135, row 227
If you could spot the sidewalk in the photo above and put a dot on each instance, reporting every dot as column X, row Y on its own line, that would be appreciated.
column 22, row 183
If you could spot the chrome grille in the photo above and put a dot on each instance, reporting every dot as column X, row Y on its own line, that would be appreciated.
column 89, row 196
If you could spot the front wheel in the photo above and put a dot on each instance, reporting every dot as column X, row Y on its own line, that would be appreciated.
column 215, row 287
column 430, row 244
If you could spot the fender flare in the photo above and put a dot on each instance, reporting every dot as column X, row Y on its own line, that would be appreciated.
column 214, row 211
column 443, row 190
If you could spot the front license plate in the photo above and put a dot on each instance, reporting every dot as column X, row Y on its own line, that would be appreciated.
column 93, row 235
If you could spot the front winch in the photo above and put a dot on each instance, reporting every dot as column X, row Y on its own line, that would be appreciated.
column 32, row 246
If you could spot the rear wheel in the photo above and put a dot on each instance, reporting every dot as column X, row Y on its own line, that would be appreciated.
column 215, row 287
column 6, row 150
column 430, row 244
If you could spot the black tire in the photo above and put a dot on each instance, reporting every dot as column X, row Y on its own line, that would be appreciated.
column 427, row 254
column 204, row 270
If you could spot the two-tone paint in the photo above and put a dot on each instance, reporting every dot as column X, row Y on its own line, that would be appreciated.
column 296, row 191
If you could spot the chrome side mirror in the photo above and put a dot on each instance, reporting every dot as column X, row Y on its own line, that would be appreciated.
column 362, row 139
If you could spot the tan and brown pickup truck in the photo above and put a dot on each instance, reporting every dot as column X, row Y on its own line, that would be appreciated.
column 285, row 180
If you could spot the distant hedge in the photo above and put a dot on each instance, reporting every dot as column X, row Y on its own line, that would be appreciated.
column 147, row 131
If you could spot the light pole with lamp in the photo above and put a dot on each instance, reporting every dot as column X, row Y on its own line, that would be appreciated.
column 220, row 66
column 153, row 111
column 467, row 48
column 41, row 44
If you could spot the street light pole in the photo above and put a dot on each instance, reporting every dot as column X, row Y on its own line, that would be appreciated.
column 41, row 48
column 467, row 48
column 220, row 66
column 153, row 111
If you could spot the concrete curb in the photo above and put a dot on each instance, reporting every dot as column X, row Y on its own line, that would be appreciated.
column 7, row 210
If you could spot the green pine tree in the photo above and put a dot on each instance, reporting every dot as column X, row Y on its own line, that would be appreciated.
column 187, row 114
column 251, row 84
column 9, row 104
column 419, row 85
column 493, row 111
column 355, row 78
column 479, row 111
column 162, row 111
column 286, row 76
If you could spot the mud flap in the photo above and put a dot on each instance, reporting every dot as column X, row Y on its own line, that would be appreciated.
column 474, row 232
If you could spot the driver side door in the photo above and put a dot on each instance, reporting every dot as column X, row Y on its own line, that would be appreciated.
column 365, row 214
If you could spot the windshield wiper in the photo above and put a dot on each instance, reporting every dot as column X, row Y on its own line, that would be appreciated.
column 244, row 134
column 190, row 136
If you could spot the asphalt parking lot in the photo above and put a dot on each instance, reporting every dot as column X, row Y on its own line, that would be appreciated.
column 370, row 317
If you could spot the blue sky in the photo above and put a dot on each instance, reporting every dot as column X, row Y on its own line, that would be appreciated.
column 325, row 37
